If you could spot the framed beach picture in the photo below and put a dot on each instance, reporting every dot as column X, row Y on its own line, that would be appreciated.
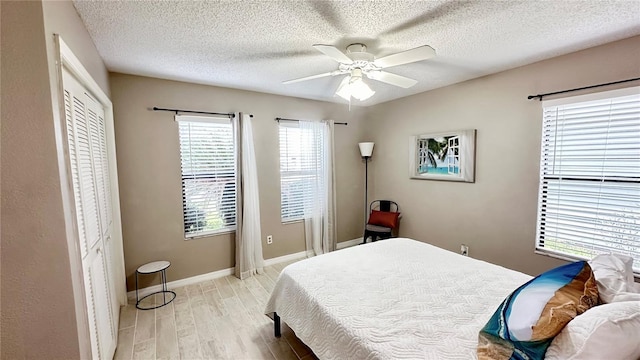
column 446, row 156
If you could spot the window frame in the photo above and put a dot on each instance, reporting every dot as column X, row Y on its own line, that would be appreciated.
column 586, row 178
column 204, row 119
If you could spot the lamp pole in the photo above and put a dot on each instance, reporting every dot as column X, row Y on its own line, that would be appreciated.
column 366, row 188
column 366, row 150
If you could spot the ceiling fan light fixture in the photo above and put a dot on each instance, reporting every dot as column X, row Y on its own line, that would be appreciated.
column 354, row 86
column 359, row 63
column 360, row 90
column 343, row 90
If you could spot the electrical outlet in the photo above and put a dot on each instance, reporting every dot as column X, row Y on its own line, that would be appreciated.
column 269, row 239
column 464, row 250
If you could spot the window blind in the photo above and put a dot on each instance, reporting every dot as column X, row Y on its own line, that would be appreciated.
column 208, row 162
column 589, row 198
column 300, row 157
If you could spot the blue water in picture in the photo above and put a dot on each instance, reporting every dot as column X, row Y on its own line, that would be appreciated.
column 439, row 170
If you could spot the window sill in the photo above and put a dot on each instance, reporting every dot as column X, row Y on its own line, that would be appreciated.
column 571, row 258
column 211, row 233
column 292, row 221
column 560, row 256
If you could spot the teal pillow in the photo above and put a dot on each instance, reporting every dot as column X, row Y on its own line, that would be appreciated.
column 526, row 322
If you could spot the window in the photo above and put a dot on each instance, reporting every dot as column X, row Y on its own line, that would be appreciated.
column 207, row 154
column 589, row 199
column 301, row 151
column 453, row 155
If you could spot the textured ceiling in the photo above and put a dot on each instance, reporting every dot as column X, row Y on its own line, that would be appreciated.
column 255, row 45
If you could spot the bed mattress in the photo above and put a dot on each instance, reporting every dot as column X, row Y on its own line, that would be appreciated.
column 392, row 299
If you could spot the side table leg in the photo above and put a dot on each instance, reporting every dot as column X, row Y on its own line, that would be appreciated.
column 164, row 287
column 137, row 301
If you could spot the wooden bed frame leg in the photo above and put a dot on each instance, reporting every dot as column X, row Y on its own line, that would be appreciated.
column 276, row 325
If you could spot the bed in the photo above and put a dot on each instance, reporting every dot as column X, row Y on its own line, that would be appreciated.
column 392, row 299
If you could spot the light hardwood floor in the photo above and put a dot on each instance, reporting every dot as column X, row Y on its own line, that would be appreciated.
column 215, row 319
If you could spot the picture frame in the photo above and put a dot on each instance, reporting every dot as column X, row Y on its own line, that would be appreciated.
column 447, row 156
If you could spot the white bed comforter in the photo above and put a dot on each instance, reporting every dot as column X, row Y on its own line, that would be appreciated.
column 392, row 299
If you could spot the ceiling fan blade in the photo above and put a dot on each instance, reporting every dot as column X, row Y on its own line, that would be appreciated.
column 438, row 12
column 393, row 79
column 333, row 73
column 329, row 12
column 418, row 54
column 334, row 53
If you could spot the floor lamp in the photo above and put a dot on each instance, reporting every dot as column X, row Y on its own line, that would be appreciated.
column 366, row 149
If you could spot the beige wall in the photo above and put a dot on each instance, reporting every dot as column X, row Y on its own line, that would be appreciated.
column 495, row 216
column 149, row 171
column 38, row 308
column 38, row 318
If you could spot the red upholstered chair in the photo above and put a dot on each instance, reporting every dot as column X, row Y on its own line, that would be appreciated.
column 384, row 219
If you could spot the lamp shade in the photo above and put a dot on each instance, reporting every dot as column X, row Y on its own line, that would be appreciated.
column 366, row 149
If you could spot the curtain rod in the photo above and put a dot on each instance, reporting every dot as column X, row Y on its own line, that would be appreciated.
column 539, row 96
column 230, row 115
column 278, row 119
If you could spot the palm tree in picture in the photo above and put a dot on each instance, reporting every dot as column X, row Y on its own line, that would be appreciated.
column 437, row 148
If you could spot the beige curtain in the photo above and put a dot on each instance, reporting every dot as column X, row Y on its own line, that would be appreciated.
column 319, row 212
column 249, row 260
column 329, row 242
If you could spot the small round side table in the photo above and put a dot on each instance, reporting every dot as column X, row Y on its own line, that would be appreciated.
column 150, row 268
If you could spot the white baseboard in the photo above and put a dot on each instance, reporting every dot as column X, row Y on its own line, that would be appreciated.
column 285, row 258
column 348, row 243
column 131, row 295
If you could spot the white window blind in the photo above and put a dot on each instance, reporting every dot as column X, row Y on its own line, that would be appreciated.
column 589, row 199
column 300, row 154
column 207, row 153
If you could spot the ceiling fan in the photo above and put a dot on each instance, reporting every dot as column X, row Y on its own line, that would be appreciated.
column 358, row 63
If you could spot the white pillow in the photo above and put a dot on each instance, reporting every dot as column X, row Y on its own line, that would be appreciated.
column 609, row 331
column 614, row 275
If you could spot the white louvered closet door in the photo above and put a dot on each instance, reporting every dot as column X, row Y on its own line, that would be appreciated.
column 89, row 172
column 95, row 115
